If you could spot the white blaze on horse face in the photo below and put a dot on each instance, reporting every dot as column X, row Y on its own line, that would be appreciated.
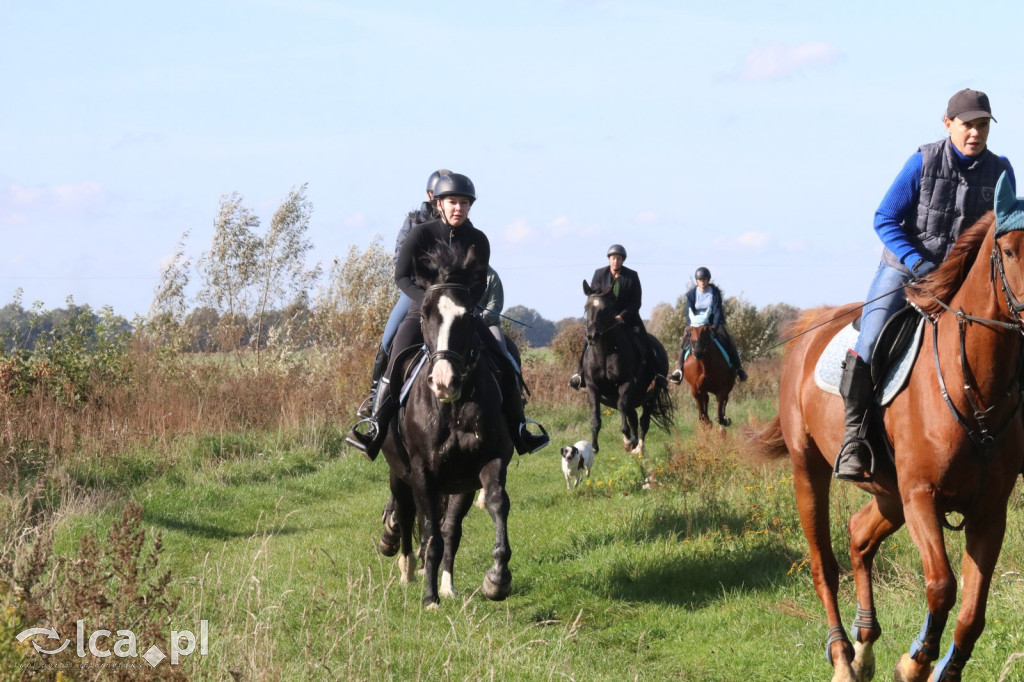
column 442, row 376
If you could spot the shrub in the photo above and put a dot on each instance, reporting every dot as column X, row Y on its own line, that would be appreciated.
column 568, row 343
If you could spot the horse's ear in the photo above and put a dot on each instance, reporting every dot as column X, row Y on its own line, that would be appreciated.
column 586, row 288
column 425, row 268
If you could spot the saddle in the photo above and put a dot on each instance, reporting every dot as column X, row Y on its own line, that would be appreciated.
column 688, row 349
column 893, row 357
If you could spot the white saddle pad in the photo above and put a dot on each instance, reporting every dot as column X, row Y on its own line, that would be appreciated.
column 829, row 368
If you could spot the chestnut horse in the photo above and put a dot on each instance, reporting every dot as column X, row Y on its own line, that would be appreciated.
column 958, row 444
column 707, row 371
column 450, row 439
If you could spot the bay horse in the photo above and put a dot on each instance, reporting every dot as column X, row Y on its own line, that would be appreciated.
column 450, row 438
column 617, row 375
column 707, row 371
column 958, row 442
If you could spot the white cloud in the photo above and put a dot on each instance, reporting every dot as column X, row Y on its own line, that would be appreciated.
column 517, row 232
column 83, row 198
column 647, row 217
column 778, row 61
column 754, row 240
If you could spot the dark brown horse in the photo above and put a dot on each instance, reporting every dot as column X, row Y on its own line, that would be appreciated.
column 707, row 371
column 617, row 375
column 957, row 455
column 450, row 439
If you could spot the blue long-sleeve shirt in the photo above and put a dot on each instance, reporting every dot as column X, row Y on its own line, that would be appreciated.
column 899, row 202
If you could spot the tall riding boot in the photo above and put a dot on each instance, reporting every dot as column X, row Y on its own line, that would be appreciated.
column 380, row 363
column 854, row 460
column 734, row 354
column 512, row 407
column 376, row 426
column 576, row 381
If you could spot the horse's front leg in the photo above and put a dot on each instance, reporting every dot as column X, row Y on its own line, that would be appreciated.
column 645, row 425
column 702, row 399
column 451, row 530
column 498, row 579
column 877, row 520
column 629, row 419
column 722, row 401
column 405, row 513
column 428, row 502
column 595, row 415
column 983, row 543
column 940, row 584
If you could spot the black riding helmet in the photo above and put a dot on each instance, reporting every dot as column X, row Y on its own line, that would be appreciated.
column 702, row 273
column 617, row 250
column 434, row 177
column 454, row 184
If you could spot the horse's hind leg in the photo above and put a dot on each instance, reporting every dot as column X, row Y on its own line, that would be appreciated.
column 812, row 477
column 498, row 579
column 645, row 425
column 451, row 531
column 877, row 520
column 629, row 419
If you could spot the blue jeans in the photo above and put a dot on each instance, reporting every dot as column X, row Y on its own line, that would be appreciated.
column 877, row 313
column 400, row 310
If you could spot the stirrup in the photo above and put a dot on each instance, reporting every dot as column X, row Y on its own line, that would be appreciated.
column 676, row 377
column 543, row 434
column 855, row 478
column 361, row 441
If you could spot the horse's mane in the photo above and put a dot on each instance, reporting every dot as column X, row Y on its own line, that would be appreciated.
column 945, row 281
column 450, row 264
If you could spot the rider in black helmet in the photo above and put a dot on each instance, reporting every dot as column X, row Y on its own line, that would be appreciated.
column 707, row 297
column 628, row 294
column 454, row 194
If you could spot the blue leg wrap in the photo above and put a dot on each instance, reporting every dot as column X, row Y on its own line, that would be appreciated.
column 865, row 620
column 835, row 634
column 950, row 667
column 928, row 640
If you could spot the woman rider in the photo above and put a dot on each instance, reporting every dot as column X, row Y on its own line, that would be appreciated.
column 707, row 297
column 454, row 194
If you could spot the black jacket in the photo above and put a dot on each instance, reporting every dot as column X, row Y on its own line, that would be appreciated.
column 423, row 237
column 630, row 292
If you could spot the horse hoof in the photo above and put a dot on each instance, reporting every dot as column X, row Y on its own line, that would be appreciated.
column 725, row 422
column 863, row 661
column 909, row 670
column 388, row 546
column 497, row 591
column 431, row 603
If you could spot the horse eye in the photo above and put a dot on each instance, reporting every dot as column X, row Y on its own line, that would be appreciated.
column 1008, row 252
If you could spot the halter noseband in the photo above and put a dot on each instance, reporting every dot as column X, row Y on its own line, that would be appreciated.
column 459, row 363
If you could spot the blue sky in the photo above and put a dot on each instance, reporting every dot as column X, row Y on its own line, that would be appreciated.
column 755, row 138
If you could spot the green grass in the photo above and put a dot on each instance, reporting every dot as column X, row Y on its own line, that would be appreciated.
column 702, row 577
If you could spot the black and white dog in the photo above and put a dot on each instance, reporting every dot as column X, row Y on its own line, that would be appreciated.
column 575, row 460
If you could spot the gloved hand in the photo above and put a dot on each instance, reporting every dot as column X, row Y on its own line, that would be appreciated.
column 922, row 267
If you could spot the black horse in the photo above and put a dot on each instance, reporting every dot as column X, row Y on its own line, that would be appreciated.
column 617, row 374
column 450, row 438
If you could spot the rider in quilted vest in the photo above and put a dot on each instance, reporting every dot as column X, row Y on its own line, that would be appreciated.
column 704, row 297
column 942, row 190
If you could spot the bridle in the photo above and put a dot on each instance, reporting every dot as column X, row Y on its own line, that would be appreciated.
column 601, row 330
column 981, row 434
column 461, row 364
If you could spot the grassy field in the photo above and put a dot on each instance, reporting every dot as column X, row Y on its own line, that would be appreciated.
column 685, row 564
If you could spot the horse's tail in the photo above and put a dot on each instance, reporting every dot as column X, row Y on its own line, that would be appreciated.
column 663, row 410
column 766, row 444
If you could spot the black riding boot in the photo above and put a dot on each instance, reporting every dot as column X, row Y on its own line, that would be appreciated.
column 380, row 363
column 660, row 380
column 377, row 426
column 854, row 460
column 576, row 381
column 734, row 355
column 512, row 406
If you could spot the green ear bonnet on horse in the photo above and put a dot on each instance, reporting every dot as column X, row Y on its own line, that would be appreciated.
column 1009, row 209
